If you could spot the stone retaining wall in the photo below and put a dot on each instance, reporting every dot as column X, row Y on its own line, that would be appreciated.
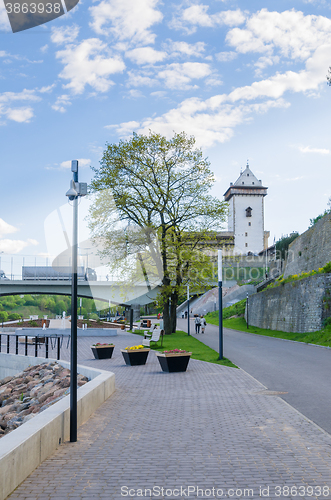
column 311, row 250
column 300, row 306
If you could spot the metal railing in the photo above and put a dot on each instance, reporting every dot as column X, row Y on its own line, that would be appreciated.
column 50, row 342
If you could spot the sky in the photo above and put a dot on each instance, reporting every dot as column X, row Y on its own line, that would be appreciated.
column 247, row 79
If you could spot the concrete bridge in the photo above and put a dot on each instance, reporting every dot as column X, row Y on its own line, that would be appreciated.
column 116, row 293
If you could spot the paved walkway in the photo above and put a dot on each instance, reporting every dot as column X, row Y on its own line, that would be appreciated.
column 211, row 427
column 300, row 371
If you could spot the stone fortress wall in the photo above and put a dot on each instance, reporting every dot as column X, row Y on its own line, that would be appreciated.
column 300, row 306
column 311, row 250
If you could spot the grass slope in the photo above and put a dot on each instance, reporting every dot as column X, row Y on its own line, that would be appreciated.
column 180, row 340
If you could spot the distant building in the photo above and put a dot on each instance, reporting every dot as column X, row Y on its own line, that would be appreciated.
column 246, row 214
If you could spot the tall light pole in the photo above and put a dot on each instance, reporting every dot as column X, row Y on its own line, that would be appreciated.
column 76, row 190
column 188, row 309
column 220, row 304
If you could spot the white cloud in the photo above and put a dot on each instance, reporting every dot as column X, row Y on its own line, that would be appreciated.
column 44, row 48
column 135, row 94
column 295, row 35
column 82, row 163
column 276, row 86
column 47, row 89
column 145, row 55
column 263, row 62
column 211, row 121
column 125, row 129
column 179, row 76
column 141, row 79
column 186, row 49
column 18, row 114
column 226, row 56
column 89, row 63
column 61, row 102
column 197, row 15
column 127, row 19
column 64, row 34
column 15, row 246
column 6, row 228
column 308, row 149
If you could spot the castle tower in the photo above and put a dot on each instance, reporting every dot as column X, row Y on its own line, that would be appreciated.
column 246, row 213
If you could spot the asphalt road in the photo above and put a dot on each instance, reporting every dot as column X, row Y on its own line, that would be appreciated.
column 300, row 370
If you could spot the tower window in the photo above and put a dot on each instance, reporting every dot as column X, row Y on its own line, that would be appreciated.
column 246, row 244
column 249, row 212
column 246, row 234
column 253, row 183
column 247, row 175
column 242, row 183
column 249, row 223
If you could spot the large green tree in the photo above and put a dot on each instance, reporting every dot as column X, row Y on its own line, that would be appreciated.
column 161, row 193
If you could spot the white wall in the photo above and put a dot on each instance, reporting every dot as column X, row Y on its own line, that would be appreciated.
column 255, row 232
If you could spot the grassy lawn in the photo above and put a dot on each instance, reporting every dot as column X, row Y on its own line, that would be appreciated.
column 322, row 337
column 180, row 340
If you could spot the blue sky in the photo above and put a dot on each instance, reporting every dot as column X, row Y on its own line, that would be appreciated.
column 248, row 80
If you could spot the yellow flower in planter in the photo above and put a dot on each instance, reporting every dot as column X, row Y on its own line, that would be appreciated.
column 134, row 347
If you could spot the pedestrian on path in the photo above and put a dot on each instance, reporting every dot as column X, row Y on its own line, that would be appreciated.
column 197, row 322
column 203, row 324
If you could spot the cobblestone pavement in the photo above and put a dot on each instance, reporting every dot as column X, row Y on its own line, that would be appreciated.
column 211, row 427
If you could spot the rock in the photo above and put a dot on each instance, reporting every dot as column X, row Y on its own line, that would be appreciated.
column 32, row 391
column 18, row 380
column 59, row 392
column 7, row 401
column 5, row 391
column 6, row 380
column 5, row 409
column 24, row 406
column 28, row 417
column 35, row 389
column 14, row 422
column 29, row 368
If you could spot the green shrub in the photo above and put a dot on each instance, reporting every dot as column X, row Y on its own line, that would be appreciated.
column 14, row 316
column 327, row 268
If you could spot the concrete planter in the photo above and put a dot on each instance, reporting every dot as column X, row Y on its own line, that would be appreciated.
column 173, row 362
column 136, row 357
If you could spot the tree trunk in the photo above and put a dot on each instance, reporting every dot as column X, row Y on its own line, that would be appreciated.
column 166, row 319
column 173, row 312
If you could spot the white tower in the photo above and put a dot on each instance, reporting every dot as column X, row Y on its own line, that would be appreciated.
column 246, row 213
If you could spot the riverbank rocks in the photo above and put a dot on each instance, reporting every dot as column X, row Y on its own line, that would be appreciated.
column 24, row 395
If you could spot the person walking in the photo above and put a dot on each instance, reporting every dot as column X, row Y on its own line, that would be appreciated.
column 203, row 324
column 197, row 322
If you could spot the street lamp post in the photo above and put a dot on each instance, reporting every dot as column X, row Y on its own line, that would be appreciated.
column 188, row 309
column 76, row 190
column 220, row 304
